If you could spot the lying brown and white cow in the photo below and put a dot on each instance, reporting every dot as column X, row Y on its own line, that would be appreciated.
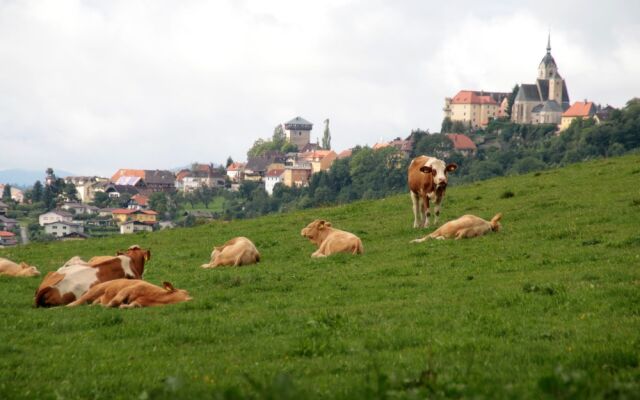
column 427, row 177
column 467, row 226
column 8, row 267
column 73, row 279
column 129, row 293
column 237, row 251
column 331, row 240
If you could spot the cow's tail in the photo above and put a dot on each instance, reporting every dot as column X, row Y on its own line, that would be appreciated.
column 495, row 222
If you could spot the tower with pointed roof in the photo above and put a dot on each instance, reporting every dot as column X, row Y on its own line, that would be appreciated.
column 544, row 101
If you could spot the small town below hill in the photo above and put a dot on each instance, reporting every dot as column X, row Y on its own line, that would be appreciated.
column 487, row 134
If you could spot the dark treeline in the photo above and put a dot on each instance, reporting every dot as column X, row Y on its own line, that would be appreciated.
column 505, row 148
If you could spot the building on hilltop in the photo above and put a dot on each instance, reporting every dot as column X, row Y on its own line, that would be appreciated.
column 147, row 181
column 579, row 110
column 544, row 101
column 298, row 132
column 475, row 108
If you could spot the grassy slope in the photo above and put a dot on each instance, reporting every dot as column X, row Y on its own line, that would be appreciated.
column 550, row 306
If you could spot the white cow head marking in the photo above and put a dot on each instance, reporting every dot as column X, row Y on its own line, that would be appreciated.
column 439, row 171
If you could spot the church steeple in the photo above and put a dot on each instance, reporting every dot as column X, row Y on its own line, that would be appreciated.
column 549, row 43
column 548, row 68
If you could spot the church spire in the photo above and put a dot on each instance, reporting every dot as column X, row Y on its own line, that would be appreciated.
column 549, row 43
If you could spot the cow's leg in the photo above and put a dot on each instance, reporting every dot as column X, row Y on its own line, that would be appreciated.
column 437, row 209
column 417, row 214
column 427, row 212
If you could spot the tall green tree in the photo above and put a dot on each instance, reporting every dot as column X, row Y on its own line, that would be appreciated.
column 37, row 192
column 6, row 193
column 326, row 137
column 512, row 99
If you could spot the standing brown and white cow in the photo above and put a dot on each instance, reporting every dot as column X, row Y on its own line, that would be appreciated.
column 427, row 178
column 73, row 279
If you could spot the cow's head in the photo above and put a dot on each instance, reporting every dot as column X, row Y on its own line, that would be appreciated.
column 316, row 231
column 495, row 222
column 439, row 170
column 28, row 270
column 138, row 257
column 177, row 295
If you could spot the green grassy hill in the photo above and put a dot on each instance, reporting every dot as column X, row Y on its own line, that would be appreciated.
column 548, row 307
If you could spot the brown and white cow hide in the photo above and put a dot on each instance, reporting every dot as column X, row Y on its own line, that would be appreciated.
column 467, row 226
column 237, row 251
column 427, row 178
column 126, row 293
column 331, row 240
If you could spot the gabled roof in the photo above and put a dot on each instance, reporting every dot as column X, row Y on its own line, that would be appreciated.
column 60, row 213
column 127, row 172
column 159, row 177
column 6, row 220
column 236, row 166
column 584, row 109
column 472, row 97
column 461, row 142
column 548, row 106
column 274, row 173
column 7, row 234
column 128, row 180
column 140, row 199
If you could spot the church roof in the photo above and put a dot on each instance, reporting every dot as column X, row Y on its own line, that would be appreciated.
column 547, row 107
column 472, row 97
column 298, row 121
column 528, row 92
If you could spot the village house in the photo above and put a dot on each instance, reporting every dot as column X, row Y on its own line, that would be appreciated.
column 257, row 167
column 117, row 191
column 146, row 181
column 475, row 108
column 297, row 175
column 463, row 144
column 122, row 215
column 201, row 175
column 80, row 209
column 17, row 195
column 579, row 110
column 7, row 239
column 273, row 177
column 7, row 224
column 86, row 186
column 138, row 202
column 3, row 208
column 62, row 228
column 130, row 227
column 55, row 216
column 320, row 160
column 235, row 172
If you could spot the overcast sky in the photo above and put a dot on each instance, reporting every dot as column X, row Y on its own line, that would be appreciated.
column 92, row 86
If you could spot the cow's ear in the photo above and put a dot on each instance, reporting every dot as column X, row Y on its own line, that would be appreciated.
column 24, row 265
column 119, row 253
column 452, row 167
column 168, row 286
column 425, row 169
column 321, row 224
column 327, row 224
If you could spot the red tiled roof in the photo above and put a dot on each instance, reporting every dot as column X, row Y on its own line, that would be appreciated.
column 469, row 97
column 461, row 142
column 345, row 153
column 380, row 146
column 140, row 199
column 128, row 172
column 182, row 174
column 236, row 166
column 580, row 109
column 275, row 172
column 6, row 234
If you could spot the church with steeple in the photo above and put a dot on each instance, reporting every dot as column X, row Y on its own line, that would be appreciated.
column 542, row 102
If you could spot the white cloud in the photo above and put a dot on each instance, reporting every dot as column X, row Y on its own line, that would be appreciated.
column 91, row 86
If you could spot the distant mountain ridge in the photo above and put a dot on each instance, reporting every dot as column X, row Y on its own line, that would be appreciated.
column 26, row 178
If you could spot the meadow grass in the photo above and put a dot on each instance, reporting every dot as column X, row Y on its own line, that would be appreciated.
column 547, row 308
